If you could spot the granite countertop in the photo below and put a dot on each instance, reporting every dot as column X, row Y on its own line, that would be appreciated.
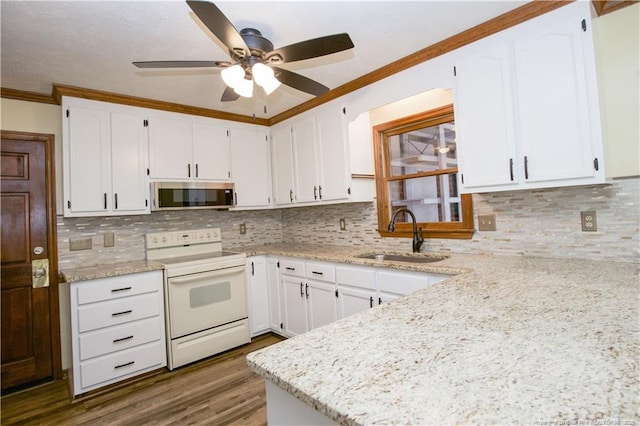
column 107, row 270
column 507, row 340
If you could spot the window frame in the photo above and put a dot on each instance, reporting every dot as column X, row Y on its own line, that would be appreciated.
column 463, row 229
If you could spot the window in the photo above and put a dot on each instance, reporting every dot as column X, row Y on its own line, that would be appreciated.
column 416, row 168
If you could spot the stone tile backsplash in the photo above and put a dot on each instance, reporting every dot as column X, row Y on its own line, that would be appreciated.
column 541, row 223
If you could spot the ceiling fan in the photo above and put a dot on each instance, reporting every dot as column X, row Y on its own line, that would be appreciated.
column 254, row 58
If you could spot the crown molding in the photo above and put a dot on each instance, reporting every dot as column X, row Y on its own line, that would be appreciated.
column 22, row 95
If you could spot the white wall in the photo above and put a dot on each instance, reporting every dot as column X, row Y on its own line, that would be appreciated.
column 617, row 37
column 23, row 116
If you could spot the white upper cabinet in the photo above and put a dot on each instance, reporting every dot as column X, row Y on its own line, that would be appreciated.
column 282, row 162
column 305, row 159
column 526, row 106
column 251, row 167
column 333, row 155
column 185, row 148
column 104, row 159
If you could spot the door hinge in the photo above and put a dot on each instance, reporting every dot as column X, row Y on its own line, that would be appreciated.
column 349, row 191
column 344, row 110
column 68, row 113
column 148, row 171
column 229, row 174
column 68, row 204
column 277, row 264
column 281, row 326
column 454, row 71
column 145, row 123
column 268, row 200
column 584, row 25
column 595, row 164
column 227, row 132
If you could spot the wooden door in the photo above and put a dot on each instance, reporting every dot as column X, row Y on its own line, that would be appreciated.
column 30, row 315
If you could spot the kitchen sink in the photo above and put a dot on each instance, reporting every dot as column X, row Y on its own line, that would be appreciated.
column 412, row 258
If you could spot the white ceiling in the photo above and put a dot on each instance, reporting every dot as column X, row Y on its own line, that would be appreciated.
column 91, row 44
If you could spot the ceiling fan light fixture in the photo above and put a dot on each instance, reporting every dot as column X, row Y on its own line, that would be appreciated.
column 233, row 76
column 244, row 88
column 265, row 77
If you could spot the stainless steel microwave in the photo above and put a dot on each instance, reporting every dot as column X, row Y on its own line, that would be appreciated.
column 191, row 195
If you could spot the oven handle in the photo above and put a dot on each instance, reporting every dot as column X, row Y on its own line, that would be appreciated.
column 206, row 275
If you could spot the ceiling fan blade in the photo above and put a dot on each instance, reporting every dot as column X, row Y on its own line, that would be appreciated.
column 313, row 48
column 229, row 95
column 300, row 82
column 219, row 25
column 181, row 64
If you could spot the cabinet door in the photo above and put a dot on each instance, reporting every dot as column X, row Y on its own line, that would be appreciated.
column 553, row 103
column 333, row 155
column 295, row 307
column 250, row 168
column 129, row 146
column 275, row 310
column 87, row 166
column 306, row 163
column 282, row 151
column 258, row 294
column 170, row 149
column 484, row 120
column 352, row 301
column 211, row 152
column 321, row 303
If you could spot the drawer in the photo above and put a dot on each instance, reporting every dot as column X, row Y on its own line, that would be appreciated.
column 120, row 337
column 402, row 282
column 119, row 311
column 116, row 287
column 320, row 272
column 356, row 277
column 120, row 364
column 292, row 267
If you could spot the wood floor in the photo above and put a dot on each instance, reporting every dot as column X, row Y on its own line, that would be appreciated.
column 217, row 391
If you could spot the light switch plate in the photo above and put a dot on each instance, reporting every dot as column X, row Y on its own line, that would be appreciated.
column 486, row 222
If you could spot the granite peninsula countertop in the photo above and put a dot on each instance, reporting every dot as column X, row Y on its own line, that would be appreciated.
column 507, row 340
column 107, row 270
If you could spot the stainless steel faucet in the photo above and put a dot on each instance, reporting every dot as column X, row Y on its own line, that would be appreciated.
column 417, row 233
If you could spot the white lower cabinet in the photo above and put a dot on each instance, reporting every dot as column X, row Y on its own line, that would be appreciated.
column 313, row 294
column 117, row 329
column 258, row 293
column 273, row 281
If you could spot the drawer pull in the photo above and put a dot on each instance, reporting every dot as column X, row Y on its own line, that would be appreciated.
column 121, row 313
column 371, row 301
column 123, row 339
column 289, row 268
column 115, row 290
column 317, row 273
column 126, row 364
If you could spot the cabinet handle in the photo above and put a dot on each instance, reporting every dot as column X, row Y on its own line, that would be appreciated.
column 337, row 292
column 289, row 268
column 105, row 200
column 188, row 170
column 317, row 273
column 511, row 168
column 379, row 300
column 196, row 169
column 306, row 290
column 320, row 191
column 122, row 339
column 121, row 313
column 236, row 198
column 315, row 193
column 526, row 167
column 301, row 291
column 124, row 365
column 116, row 200
column 291, row 195
column 371, row 301
column 115, row 290
column 252, row 269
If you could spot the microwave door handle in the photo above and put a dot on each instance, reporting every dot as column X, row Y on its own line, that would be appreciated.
column 206, row 275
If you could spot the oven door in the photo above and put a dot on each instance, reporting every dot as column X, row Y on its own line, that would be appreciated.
column 205, row 300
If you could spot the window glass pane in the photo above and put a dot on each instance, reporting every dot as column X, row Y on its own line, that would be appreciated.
column 423, row 150
column 431, row 198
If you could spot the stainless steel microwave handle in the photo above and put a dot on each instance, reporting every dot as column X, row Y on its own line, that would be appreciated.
column 207, row 275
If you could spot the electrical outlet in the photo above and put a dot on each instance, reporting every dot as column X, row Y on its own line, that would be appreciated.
column 589, row 223
column 486, row 222
column 343, row 225
column 243, row 228
column 109, row 239
column 84, row 243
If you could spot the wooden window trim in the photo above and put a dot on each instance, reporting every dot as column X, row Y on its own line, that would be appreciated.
column 451, row 230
